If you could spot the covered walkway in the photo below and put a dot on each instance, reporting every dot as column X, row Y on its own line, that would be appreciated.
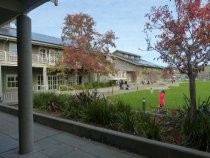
column 51, row 143
column 18, row 9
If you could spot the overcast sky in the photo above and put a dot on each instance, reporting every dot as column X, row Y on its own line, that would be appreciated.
column 125, row 17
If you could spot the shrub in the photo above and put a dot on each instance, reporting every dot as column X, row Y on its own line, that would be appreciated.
column 125, row 118
column 73, row 109
column 41, row 100
column 148, row 126
column 50, row 101
column 100, row 112
column 125, row 122
column 123, row 107
column 197, row 133
column 63, row 88
column 82, row 103
column 86, row 97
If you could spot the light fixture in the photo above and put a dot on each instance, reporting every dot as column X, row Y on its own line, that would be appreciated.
column 55, row 2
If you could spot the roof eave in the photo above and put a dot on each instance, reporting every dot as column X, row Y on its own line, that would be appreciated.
column 10, row 9
column 11, row 38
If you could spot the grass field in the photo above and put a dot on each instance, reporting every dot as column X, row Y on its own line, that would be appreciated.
column 174, row 96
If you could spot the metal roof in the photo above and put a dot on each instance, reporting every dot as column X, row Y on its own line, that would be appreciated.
column 148, row 64
column 124, row 52
column 11, row 32
column 123, row 67
column 140, row 62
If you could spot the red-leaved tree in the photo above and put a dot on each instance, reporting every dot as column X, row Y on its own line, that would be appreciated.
column 85, row 49
column 168, row 73
column 182, row 38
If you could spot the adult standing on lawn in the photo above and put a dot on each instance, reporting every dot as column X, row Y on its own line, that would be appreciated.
column 162, row 98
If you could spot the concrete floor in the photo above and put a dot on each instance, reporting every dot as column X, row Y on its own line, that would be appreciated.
column 51, row 143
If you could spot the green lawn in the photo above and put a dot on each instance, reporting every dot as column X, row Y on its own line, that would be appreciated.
column 174, row 96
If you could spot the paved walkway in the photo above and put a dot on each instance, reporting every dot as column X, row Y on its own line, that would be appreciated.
column 51, row 143
column 134, row 87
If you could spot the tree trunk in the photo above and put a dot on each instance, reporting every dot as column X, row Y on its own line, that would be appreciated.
column 193, row 107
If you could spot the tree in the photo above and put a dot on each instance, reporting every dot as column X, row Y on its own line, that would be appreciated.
column 183, row 38
column 86, row 49
column 168, row 73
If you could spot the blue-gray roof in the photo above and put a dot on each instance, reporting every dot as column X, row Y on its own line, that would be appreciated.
column 11, row 32
column 139, row 62
column 124, row 52
column 147, row 63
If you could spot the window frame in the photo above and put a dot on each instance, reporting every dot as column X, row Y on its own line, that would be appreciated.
column 13, row 48
column 12, row 82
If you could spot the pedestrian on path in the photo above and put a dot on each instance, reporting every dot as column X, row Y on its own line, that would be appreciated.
column 151, row 90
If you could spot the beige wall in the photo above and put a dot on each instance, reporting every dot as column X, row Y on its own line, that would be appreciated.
column 150, row 74
column 1, row 45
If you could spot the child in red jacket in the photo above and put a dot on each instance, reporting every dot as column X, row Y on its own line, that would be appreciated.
column 162, row 98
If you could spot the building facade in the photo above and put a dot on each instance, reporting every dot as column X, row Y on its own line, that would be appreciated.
column 132, row 68
column 45, row 51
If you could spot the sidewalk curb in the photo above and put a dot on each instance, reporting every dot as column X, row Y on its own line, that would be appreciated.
column 139, row 145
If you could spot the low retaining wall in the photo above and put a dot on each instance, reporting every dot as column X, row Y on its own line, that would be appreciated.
column 139, row 145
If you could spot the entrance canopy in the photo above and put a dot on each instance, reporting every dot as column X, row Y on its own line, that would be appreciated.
column 10, row 9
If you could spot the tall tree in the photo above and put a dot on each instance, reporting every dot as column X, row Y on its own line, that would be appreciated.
column 183, row 38
column 85, row 48
column 168, row 73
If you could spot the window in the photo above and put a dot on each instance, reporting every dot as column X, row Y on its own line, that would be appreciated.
column 13, row 48
column 52, row 82
column 44, row 53
column 40, row 81
column 54, row 55
column 125, row 55
column 11, row 81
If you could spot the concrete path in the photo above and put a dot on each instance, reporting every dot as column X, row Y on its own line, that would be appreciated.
column 51, row 143
column 134, row 87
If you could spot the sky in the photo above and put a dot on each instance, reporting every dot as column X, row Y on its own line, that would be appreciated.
column 124, row 17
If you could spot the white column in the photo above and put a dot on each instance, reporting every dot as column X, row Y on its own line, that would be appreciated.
column 45, row 79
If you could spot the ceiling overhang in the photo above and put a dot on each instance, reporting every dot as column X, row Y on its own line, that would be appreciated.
column 10, row 9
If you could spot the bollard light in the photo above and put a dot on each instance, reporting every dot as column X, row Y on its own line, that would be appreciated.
column 143, row 104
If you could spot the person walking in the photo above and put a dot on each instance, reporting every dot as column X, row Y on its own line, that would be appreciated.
column 162, row 98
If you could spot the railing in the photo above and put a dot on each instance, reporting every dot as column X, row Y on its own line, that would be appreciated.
column 8, row 58
column 39, row 88
column 10, row 97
